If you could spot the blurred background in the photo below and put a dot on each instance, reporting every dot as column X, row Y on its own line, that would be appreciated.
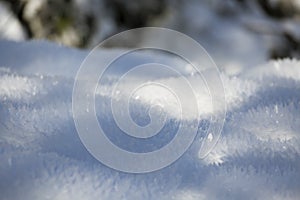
column 235, row 32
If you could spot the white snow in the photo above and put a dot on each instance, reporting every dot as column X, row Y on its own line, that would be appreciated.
column 10, row 27
column 237, row 34
column 257, row 156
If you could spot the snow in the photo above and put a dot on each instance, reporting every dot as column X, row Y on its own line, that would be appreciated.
column 42, row 157
column 248, row 36
column 10, row 27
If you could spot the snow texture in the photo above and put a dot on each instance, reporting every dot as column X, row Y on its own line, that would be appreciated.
column 257, row 156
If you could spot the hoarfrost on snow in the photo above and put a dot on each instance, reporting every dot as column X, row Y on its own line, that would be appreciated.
column 257, row 156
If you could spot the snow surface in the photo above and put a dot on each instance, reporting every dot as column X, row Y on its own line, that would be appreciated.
column 257, row 156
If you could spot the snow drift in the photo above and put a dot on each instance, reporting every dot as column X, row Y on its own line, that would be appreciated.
column 257, row 156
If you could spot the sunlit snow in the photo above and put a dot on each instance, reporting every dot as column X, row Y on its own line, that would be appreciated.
column 257, row 156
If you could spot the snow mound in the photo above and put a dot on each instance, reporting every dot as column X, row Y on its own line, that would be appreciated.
column 42, row 157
